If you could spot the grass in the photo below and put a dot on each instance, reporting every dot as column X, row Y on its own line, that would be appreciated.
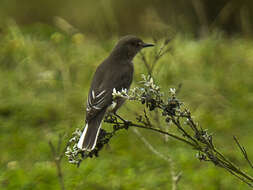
column 45, row 78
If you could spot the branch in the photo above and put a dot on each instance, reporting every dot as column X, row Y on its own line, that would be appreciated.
column 243, row 151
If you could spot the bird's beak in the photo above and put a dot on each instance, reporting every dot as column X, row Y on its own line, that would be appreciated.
column 144, row 45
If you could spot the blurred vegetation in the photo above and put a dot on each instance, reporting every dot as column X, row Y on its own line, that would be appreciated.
column 45, row 74
column 45, row 77
column 196, row 17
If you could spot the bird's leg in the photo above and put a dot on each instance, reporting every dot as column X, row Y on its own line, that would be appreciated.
column 126, row 122
column 118, row 116
column 110, row 118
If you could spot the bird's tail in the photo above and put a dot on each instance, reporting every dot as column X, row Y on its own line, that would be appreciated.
column 90, row 133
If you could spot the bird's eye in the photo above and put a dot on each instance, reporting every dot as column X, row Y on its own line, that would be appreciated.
column 136, row 44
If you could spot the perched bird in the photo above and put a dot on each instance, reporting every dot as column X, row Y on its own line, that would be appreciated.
column 116, row 71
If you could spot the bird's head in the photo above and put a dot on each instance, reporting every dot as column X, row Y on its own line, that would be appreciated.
column 129, row 46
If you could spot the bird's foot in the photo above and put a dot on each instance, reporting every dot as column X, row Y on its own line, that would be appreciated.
column 110, row 118
column 126, row 122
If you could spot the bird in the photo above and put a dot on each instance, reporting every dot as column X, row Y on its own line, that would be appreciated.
column 114, row 73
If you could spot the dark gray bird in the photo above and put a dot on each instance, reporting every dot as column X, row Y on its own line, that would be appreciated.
column 116, row 71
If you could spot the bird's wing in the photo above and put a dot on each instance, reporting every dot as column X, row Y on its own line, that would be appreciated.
column 101, row 99
column 97, row 101
column 100, row 95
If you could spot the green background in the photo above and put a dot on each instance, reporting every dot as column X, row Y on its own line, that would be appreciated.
column 45, row 72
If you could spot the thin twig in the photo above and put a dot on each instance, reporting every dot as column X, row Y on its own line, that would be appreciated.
column 144, row 60
column 57, row 156
column 243, row 151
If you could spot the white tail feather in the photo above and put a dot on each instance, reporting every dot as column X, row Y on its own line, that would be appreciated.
column 80, row 142
column 94, row 145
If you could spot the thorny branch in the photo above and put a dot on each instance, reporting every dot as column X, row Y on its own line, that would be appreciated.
column 174, row 112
